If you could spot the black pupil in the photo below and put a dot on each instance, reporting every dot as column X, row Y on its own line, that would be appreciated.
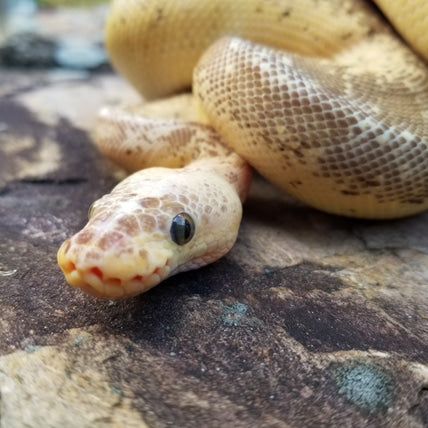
column 182, row 229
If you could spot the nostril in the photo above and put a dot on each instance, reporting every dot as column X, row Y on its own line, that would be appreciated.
column 137, row 278
column 97, row 271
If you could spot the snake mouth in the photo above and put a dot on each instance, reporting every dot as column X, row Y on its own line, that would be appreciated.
column 93, row 281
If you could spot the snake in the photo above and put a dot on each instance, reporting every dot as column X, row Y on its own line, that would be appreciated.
column 326, row 99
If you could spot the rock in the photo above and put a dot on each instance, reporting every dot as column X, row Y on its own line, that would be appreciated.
column 310, row 320
column 65, row 37
column 36, row 378
column 27, row 50
column 77, row 53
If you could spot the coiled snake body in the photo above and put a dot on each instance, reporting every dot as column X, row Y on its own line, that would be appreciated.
column 321, row 97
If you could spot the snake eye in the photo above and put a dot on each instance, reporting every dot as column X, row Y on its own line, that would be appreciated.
column 182, row 228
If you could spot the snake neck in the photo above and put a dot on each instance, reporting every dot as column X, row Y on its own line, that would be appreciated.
column 232, row 168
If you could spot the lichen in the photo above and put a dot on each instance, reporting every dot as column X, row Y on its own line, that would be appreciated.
column 366, row 385
column 236, row 315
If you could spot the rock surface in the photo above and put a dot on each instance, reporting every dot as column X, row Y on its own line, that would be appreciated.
column 311, row 320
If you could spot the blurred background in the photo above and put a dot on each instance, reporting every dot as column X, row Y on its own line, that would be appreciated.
column 64, row 34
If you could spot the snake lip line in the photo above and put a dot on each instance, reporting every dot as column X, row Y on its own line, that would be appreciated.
column 94, row 282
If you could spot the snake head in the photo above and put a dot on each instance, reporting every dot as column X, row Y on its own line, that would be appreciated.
column 154, row 224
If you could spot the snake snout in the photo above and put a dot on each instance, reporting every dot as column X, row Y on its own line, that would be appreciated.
column 95, row 280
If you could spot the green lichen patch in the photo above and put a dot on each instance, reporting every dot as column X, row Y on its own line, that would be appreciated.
column 365, row 385
column 237, row 314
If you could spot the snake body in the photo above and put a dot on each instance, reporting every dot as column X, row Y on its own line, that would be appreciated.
column 319, row 96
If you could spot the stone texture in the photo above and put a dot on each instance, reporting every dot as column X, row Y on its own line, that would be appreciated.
column 311, row 320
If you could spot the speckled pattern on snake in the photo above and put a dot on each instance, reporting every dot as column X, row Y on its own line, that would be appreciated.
column 322, row 97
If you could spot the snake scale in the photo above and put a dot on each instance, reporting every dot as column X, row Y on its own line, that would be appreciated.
column 322, row 97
